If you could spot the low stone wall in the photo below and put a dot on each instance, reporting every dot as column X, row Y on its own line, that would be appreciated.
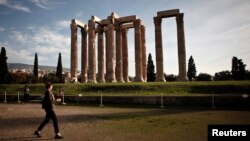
column 219, row 100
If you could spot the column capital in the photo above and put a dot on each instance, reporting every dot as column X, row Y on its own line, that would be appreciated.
column 73, row 26
column 84, row 30
column 110, row 27
column 91, row 24
column 100, row 29
column 157, row 21
column 143, row 28
column 124, row 30
column 118, row 26
column 179, row 18
column 137, row 23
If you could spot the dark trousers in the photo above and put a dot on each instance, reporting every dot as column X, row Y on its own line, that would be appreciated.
column 50, row 114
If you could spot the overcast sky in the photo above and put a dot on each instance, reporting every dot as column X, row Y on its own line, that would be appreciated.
column 215, row 30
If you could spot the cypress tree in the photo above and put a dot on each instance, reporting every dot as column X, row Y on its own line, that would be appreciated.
column 150, row 69
column 3, row 66
column 35, row 71
column 235, row 68
column 59, row 69
column 191, row 73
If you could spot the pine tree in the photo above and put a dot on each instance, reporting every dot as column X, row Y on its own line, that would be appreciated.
column 4, row 73
column 35, row 71
column 59, row 69
column 191, row 73
column 150, row 69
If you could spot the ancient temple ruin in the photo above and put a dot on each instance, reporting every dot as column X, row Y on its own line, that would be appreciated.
column 113, row 67
column 180, row 41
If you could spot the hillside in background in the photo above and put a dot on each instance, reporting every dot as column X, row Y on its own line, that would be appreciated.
column 21, row 66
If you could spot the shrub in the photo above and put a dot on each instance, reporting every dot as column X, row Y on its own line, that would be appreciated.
column 204, row 77
column 170, row 77
column 223, row 75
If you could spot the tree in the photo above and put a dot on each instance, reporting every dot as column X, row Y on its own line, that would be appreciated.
column 150, row 69
column 204, row 77
column 59, row 69
column 247, row 75
column 223, row 75
column 191, row 73
column 238, row 69
column 35, row 71
column 4, row 73
column 242, row 70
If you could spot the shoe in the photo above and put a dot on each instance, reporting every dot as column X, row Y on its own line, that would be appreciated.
column 37, row 134
column 58, row 137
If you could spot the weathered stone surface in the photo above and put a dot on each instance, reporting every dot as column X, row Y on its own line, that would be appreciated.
column 92, row 53
column 168, row 13
column 73, row 50
column 127, row 19
column 181, row 48
column 100, row 76
column 127, row 26
column 118, row 68
column 84, row 73
column 138, row 51
column 159, row 50
column 125, row 54
column 110, row 58
column 144, row 54
column 78, row 23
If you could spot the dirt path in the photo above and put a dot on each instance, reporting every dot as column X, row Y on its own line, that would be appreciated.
column 18, row 122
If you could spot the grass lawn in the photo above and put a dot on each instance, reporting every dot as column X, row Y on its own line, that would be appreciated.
column 136, row 88
column 79, row 123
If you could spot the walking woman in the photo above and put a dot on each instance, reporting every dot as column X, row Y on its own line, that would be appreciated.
column 48, row 106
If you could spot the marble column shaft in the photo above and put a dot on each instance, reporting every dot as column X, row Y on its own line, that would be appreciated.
column 118, row 68
column 74, row 61
column 84, row 77
column 100, row 77
column 125, row 54
column 159, row 50
column 110, row 56
column 144, row 54
column 181, row 48
column 138, row 51
column 92, row 53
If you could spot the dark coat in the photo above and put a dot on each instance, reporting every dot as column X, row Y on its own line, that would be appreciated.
column 47, row 102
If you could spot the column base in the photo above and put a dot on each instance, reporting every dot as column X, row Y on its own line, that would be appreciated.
column 139, row 79
column 126, row 80
column 111, row 81
column 74, row 80
column 182, row 79
column 92, row 81
column 160, row 79
column 100, row 80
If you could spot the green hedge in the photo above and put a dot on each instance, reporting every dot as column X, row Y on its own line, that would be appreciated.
column 152, row 88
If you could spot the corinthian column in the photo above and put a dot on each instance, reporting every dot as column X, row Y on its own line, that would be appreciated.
column 118, row 68
column 125, row 54
column 84, row 55
column 158, row 50
column 181, row 48
column 100, row 77
column 92, row 52
column 138, row 51
column 110, row 58
column 144, row 56
column 73, row 66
